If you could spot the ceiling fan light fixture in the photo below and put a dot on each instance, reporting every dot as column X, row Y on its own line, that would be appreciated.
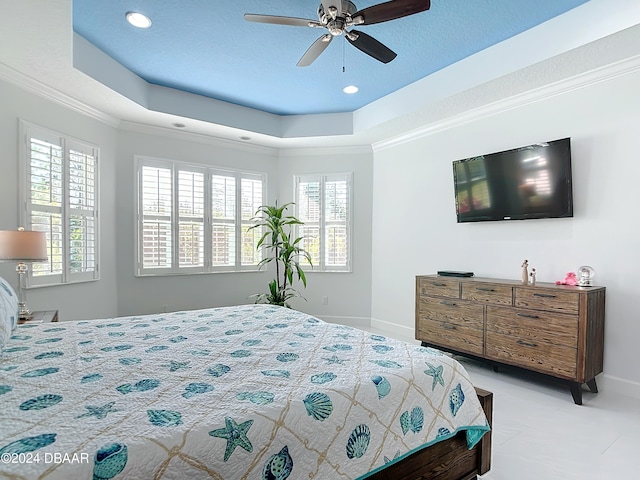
column 350, row 89
column 138, row 19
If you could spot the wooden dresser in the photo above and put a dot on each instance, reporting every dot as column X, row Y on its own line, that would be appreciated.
column 556, row 330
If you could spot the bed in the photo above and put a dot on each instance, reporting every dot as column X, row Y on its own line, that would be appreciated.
column 245, row 392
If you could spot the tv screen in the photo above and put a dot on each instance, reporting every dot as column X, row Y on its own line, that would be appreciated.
column 519, row 184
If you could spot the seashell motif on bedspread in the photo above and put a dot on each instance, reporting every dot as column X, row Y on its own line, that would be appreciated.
column 279, row 466
column 383, row 387
column 174, row 395
column 5, row 389
column 358, row 441
column 40, row 372
column 318, row 405
column 456, row 399
column 43, row 401
column 29, row 444
column 194, row 389
column 164, row 418
column 109, row 461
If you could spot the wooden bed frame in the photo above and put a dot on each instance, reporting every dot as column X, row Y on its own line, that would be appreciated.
column 449, row 459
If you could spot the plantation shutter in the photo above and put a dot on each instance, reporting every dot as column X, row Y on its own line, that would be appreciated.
column 44, row 205
column 191, row 197
column 157, row 206
column 196, row 219
column 223, row 214
column 336, row 242
column 83, row 214
column 308, row 205
column 252, row 199
column 61, row 200
column 323, row 204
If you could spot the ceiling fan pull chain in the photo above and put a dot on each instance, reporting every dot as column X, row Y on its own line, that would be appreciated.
column 343, row 56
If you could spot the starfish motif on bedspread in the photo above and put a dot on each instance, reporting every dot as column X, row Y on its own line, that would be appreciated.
column 99, row 412
column 89, row 359
column 343, row 335
column 436, row 373
column 235, row 434
column 334, row 359
column 175, row 366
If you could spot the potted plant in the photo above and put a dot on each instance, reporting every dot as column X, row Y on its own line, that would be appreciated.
column 283, row 251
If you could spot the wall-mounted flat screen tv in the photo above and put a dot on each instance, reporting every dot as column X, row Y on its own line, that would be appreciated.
column 519, row 184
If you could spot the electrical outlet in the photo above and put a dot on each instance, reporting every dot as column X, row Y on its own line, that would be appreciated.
column 165, row 308
column 325, row 300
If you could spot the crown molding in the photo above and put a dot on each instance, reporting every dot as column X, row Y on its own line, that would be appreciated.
column 42, row 90
column 606, row 73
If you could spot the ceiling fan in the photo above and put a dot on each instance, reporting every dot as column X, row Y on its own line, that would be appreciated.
column 338, row 16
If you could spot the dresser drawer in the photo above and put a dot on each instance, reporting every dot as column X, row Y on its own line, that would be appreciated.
column 487, row 292
column 451, row 311
column 556, row 360
column 448, row 335
column 547, row 299
column 441, row 287
column 534, row 326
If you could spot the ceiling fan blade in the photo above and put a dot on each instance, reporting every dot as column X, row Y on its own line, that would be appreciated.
column 315, row 50
column 383, row 12
column 371, row 46
column 277, row 20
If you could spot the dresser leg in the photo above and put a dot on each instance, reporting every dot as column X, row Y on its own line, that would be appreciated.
column 592, row 385
column 576, row 392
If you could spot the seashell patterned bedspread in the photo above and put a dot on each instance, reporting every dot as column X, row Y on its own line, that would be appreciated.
column 247, row 392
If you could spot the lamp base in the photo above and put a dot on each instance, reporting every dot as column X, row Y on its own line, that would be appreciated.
column 24, row 312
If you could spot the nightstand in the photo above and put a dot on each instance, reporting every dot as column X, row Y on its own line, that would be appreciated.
column 43, row 316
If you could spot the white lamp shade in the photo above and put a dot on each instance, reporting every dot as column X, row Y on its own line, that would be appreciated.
column 23, row 246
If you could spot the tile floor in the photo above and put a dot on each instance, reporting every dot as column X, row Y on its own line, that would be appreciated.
column 540, row 434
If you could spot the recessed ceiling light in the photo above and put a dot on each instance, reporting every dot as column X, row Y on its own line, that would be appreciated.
column 138, row 20
column 350, row 89
column 178, row 125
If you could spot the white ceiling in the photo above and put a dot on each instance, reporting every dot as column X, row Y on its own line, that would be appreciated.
column 37, row 52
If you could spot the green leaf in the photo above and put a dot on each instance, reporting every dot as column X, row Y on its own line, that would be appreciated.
column 279, row 249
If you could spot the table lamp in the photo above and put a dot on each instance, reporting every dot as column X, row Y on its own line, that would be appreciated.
column 22, row 246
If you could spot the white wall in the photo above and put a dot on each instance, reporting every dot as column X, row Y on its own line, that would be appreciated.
column 97, row 299
column 137, row 295
column 120, row 292
column 414, row 223
column 349, row 294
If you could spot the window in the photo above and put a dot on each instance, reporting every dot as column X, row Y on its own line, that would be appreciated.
column 60, row 195
column 195, row 219
column 323, row 203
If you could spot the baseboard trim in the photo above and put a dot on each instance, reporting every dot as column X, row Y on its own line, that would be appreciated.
column 356, row 322
column 619, row 386
column 406, row 334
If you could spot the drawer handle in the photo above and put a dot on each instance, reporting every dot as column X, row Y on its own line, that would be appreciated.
column 480, row 289
column 448, row 304
column 448, row 326
column 436, row 284
column 526, row 344
column 544, row 295
column 525, row 315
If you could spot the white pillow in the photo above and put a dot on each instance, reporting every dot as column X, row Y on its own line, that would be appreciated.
column 9, row 312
